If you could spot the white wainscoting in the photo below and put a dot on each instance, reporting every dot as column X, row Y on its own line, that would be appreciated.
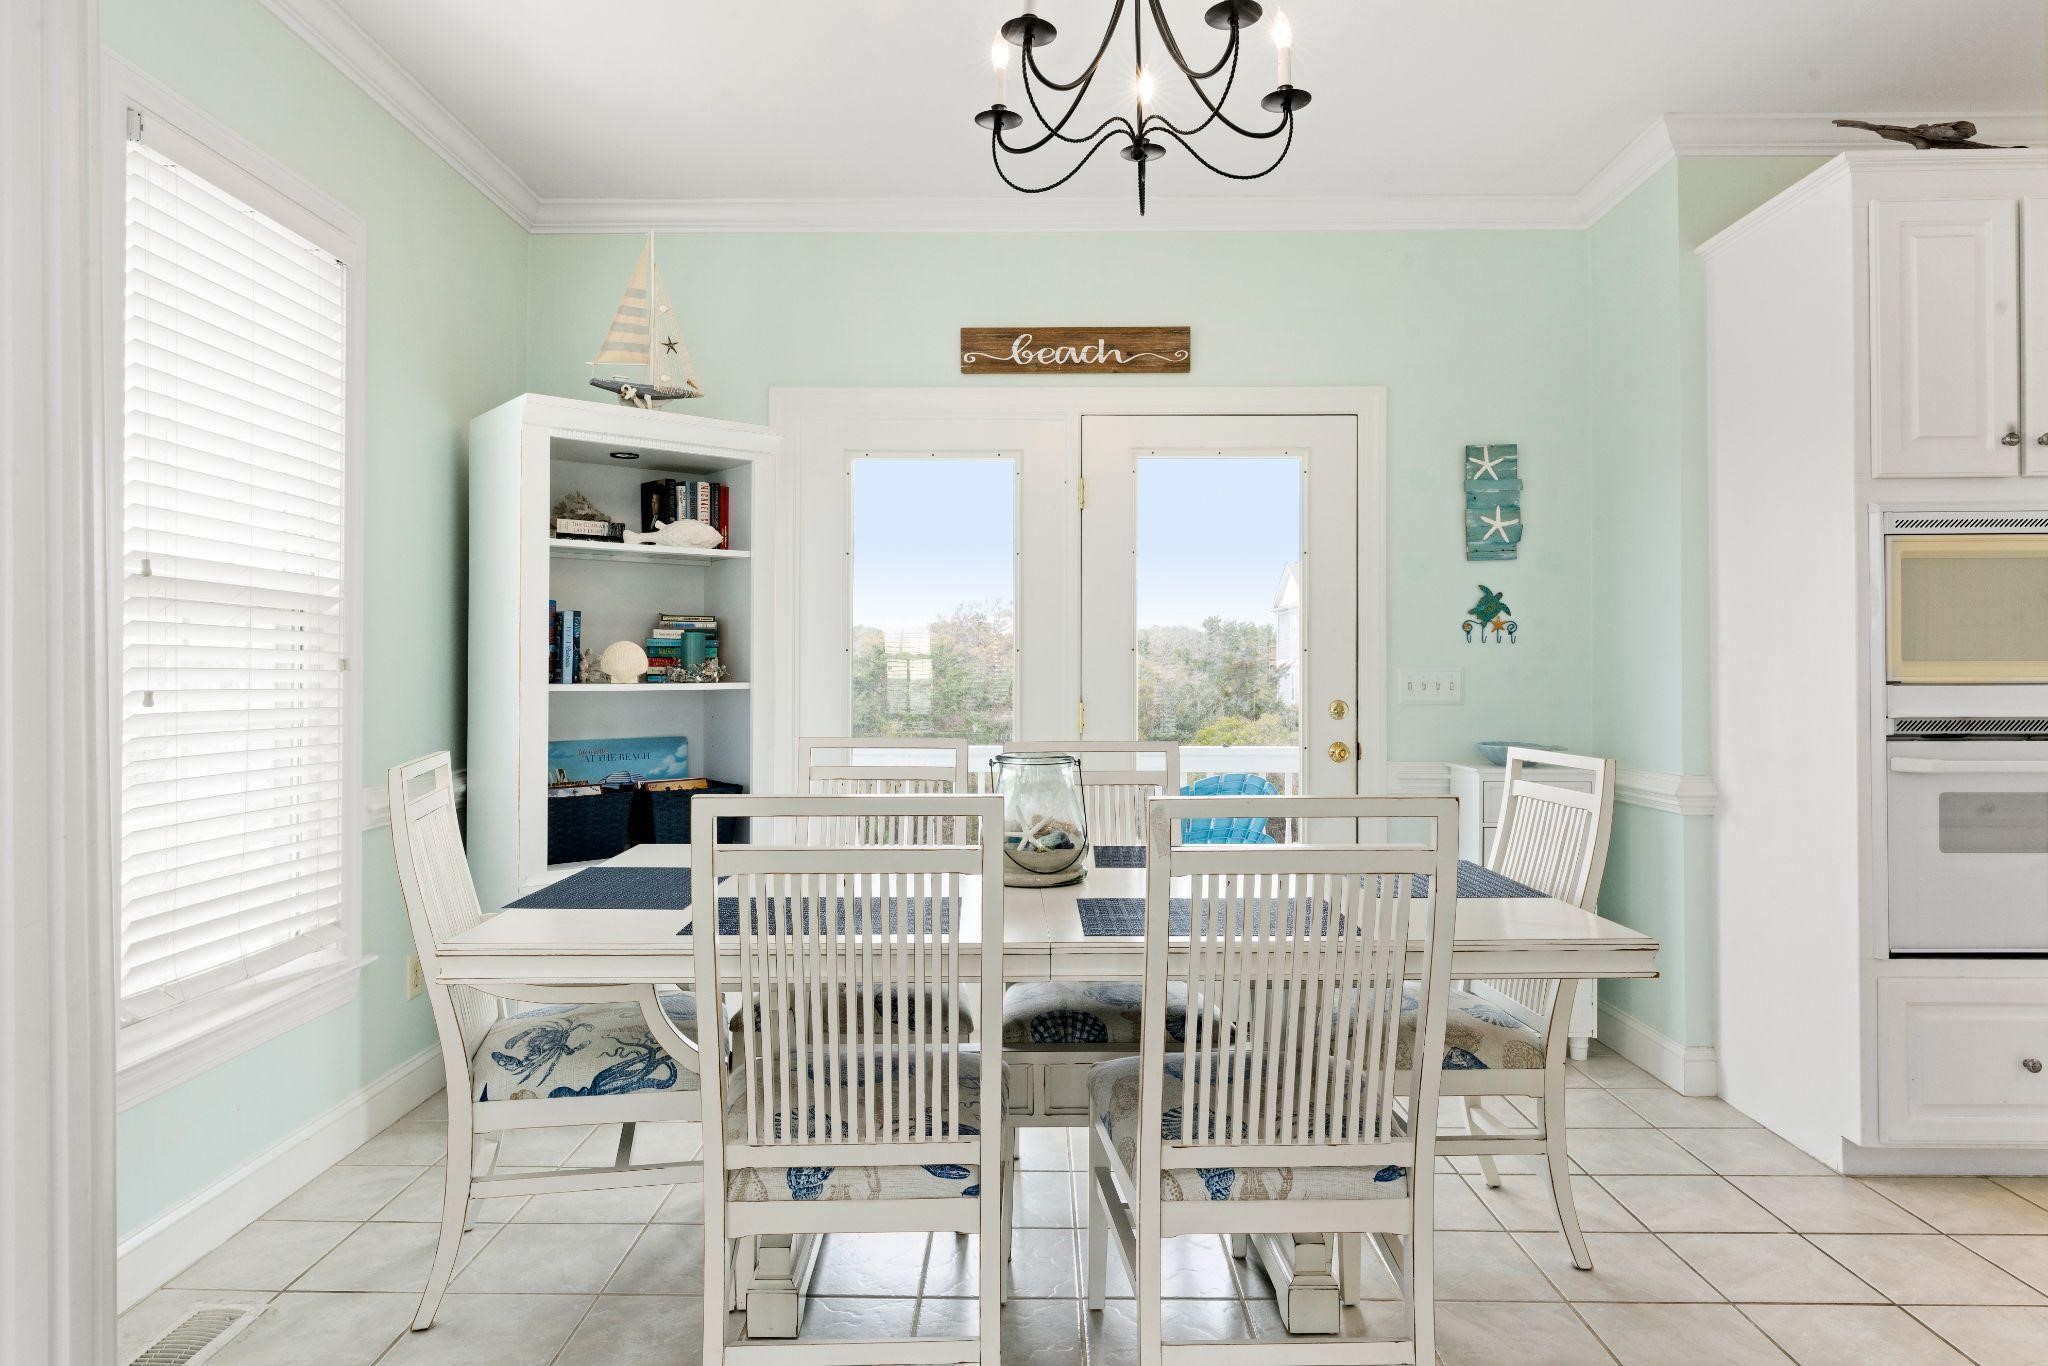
column 196, row 1225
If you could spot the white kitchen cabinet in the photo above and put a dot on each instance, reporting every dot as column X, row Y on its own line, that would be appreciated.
column 2034, row 333
column 1945, row 337
column 1962, row 1062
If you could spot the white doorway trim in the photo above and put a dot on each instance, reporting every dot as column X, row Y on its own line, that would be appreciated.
column 56, row 944
column 805, row 416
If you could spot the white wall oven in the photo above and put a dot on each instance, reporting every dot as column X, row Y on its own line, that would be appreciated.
column 1965, row 655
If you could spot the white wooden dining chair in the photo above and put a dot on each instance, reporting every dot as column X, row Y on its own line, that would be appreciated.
column 844, row 1122
column 1281, row 1107
column 875, row 766
column 1054, row 1031
column 1511, row 1037
column 586, row 1055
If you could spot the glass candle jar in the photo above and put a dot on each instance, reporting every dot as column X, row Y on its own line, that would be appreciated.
column 1045, row 822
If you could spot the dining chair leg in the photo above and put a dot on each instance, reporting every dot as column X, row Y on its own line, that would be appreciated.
column 1558, row 1158
column 1009, row 1215
column 1350, row 1266
column 1240, row 1245
column 454, row 1214
column 995, row 1271
column 625, row 1157
column 1095, row 1216
column 1487, row 1167
column 1421, row 1270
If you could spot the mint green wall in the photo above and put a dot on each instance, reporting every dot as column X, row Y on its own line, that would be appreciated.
column 446, row 341
column 1477, row 337
column 1646, row 425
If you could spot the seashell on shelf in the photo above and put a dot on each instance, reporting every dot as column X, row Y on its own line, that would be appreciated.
column 688, row 534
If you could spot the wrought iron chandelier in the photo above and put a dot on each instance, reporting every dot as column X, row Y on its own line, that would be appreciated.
column 1142, row 131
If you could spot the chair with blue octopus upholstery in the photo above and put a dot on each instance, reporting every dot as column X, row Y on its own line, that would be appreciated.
column 1237, row 829
column 836, row 1121
column 586, row 1055
column 1283, row 1107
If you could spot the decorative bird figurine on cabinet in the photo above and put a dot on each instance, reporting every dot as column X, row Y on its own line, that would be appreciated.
column 1926, row 136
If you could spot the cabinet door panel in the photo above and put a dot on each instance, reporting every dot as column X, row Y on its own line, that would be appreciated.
column 2034, row 279
column 1945, row 337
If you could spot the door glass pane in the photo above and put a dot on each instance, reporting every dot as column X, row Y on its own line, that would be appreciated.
column 934, row 597
column 1219, row 601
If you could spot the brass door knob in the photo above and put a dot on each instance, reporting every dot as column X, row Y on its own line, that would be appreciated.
column 1339, row 752
column 1338, row 711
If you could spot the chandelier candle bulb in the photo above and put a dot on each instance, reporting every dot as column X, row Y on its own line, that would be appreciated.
column 1283, row 41
column 999, row 58
column 1145, row 88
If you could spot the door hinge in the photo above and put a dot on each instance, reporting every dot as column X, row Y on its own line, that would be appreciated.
column 1081, row 494
column 1081, row 721
column 134, row 125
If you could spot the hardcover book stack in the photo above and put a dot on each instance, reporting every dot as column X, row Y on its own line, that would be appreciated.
column 565, row 644
column 663, row 501
column 682, row 640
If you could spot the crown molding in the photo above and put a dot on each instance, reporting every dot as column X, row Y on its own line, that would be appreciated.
column 1324, row 213
column 338, row 38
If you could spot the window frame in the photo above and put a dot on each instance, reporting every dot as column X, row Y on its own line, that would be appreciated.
column 155, row 1054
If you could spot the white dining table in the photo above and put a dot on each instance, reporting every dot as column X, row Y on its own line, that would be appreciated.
column 1042, row 937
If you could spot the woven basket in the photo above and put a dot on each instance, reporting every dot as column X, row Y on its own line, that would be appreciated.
column 589, row 827
column 669, row 815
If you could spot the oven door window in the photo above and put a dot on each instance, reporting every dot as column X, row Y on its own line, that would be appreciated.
column 1994, row 822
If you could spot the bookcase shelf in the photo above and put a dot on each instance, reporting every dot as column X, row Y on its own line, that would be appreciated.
column 645, row 554
column 526, row 456
column 648, row 687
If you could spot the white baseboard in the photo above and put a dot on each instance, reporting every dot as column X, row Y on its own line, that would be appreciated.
column 1858, row 1160
column 187, row 1231
column 1689, row 1069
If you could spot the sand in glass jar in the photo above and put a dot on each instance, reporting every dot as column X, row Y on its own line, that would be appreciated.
column 1045, row 821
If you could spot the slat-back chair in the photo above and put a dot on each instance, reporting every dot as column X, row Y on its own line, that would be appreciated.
column 1055, row 1030
column 1282, row 1106
column 877, row 766
column 1510, row 1036
column 856, row 1123
column 589, row 1055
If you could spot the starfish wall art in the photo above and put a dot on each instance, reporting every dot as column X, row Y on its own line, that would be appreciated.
column 1493, row 502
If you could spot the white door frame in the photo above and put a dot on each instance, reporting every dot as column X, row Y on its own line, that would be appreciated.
column 815, row 423
column 56, row 938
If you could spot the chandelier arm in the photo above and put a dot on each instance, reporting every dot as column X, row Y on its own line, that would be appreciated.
column 1030, row 62
column 1179, row 58
column 1221, row 99
column 995, row 149
column 1216, row 115
column 1176, row 135
column 1054, row 130
column 1117, row 119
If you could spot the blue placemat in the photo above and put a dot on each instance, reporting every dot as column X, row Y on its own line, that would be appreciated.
column 1119, row 856
column 1104, row 917
column 668, row 889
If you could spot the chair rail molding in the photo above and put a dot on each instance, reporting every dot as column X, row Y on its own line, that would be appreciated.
column 56, row 937
column 1681, row 794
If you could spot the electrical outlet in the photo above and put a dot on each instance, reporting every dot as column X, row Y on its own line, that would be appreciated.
column 1432, row 687
column 415, row 980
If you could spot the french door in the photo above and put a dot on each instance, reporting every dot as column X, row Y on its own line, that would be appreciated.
column 1219, row 593
column 1027, row 566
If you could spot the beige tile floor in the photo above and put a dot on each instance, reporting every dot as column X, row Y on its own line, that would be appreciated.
column 1715, row 1242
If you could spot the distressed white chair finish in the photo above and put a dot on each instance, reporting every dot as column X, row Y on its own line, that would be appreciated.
column 851, row 1123
column 1289, row 1111
column 878, row 766
column 440, row 900
column 1553, row 839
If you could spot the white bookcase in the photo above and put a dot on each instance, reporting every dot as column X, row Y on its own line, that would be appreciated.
column 523, row 456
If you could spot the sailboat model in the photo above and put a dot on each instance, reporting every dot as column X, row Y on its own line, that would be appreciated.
column 645, row 340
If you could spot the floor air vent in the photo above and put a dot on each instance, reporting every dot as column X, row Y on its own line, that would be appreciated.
column 198, row 1336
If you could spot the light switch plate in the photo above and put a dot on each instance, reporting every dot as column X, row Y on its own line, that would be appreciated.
column 1431, row 687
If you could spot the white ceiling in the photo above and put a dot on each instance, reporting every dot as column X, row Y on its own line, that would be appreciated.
column 684, row 100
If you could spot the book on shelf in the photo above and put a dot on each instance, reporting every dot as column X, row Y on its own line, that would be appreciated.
column 581, row 529
column 667, row 500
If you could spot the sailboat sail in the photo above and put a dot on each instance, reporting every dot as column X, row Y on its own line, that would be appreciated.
column 644, row 332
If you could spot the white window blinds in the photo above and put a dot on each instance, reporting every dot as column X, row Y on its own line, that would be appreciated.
column 232, row 777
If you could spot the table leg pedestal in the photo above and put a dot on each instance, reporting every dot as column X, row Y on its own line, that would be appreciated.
column 783, row 1263
column 1303, row 1269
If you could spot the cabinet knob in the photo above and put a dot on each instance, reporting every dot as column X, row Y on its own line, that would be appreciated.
column 2042, row 439
column 2031, row 1064
column 2010, row 439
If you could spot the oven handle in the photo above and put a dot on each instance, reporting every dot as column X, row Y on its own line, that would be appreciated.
column 1969, row 766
